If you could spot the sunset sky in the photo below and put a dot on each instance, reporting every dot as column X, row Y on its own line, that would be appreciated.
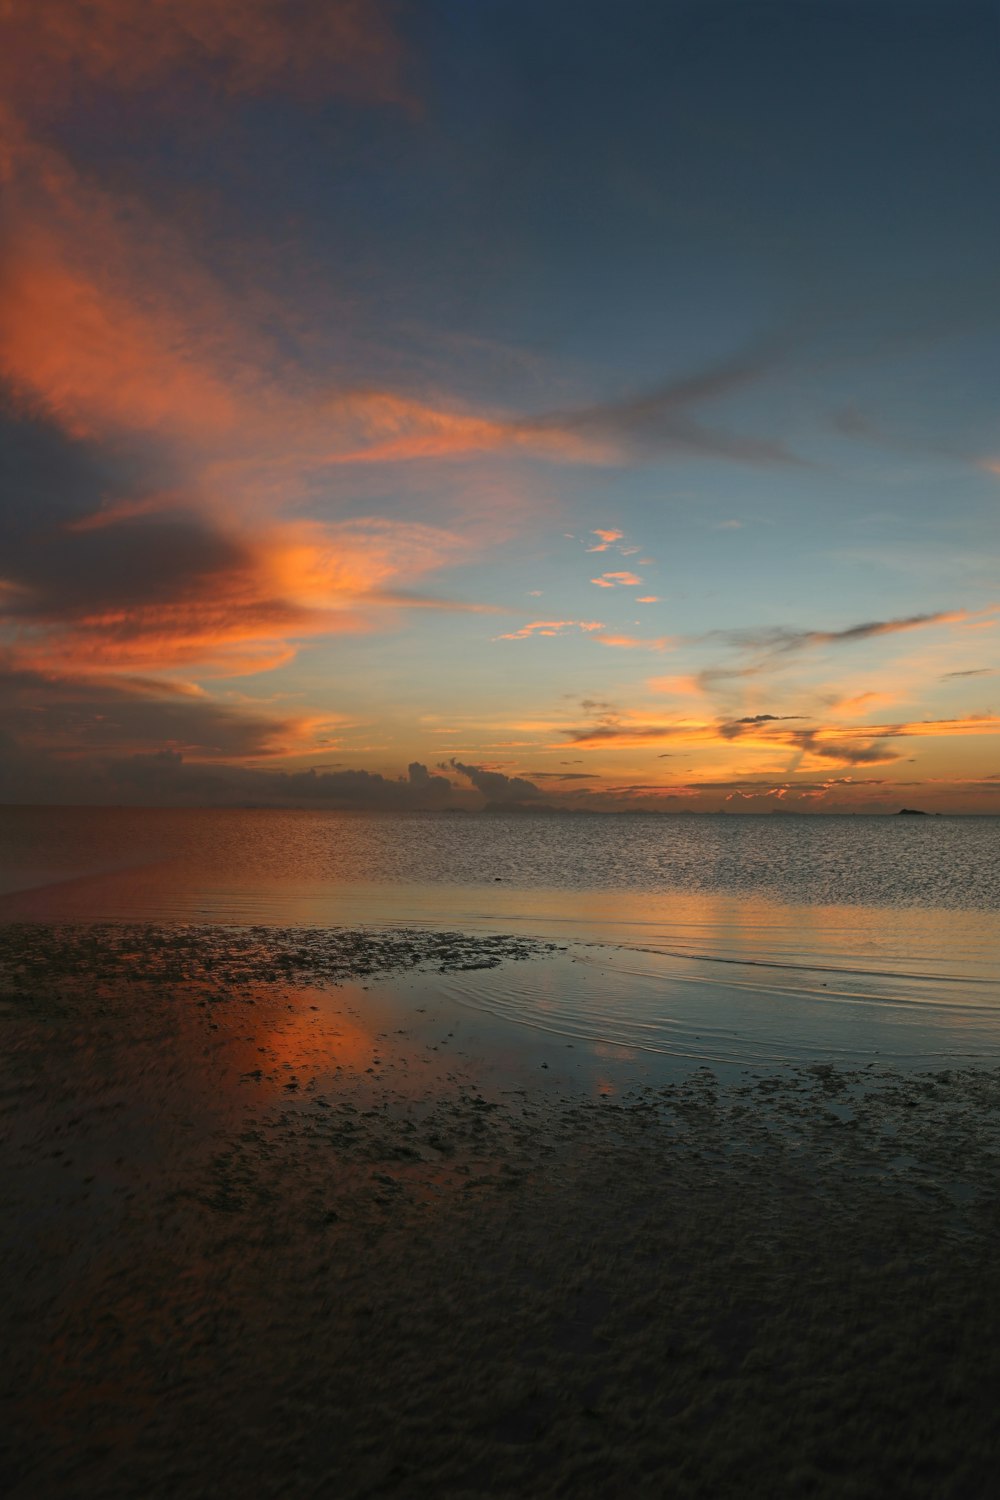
column 532, row 400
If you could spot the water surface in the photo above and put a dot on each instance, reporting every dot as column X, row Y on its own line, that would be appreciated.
column 718, row 939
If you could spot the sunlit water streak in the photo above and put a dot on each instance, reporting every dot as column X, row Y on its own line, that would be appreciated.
column 720, row 939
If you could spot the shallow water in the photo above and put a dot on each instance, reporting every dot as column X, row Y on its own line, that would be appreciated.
column 893, row 862
column 726, row 940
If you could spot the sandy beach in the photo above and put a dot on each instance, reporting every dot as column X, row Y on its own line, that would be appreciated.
column 262, row 1236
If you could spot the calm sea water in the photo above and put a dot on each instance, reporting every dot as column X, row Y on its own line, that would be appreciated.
column 717, row 938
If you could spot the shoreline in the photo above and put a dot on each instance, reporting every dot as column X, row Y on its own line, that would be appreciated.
column 404, row 1272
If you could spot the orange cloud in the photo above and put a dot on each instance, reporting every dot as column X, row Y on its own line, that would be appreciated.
column 109, row 324
column 550, row 627
column 94, row 360
column 617, row 580
column 861, row 702
column 974, row 724
column 100, row 355
column 388, row 428
column 635, row 643
column 245, row 614
column 607, row 537
column 685, row 685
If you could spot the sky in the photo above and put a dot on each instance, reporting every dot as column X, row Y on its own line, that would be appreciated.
column 588, row 404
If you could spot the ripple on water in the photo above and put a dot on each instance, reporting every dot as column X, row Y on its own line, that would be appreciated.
column 741, row 1013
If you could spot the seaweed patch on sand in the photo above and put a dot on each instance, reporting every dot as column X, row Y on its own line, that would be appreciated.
column 231, row 960
column 257, row 1247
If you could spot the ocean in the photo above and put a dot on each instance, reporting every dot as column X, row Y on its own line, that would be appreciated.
column 725, row 940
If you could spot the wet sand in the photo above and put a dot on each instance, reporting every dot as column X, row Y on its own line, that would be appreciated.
column 266, row 1235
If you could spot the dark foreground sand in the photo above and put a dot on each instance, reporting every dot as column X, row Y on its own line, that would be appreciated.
column 255, row 1242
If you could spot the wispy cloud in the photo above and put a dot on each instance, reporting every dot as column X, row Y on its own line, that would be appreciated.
column 782, row 639
column 661, row 419
column 765, row 650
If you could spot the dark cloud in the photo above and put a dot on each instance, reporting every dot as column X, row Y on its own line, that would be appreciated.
column 779, row 639
column 52, row 479
column 660, row 418
column 134, row 564
column 620, row 732
column 731, row 729
column 117, row 715
column 969, row 672
column 166, row 777
column 425, row 781
column 709, row 677
column 565, row 776
column 67, row 737
column 844, row 752
column 770, row 645
column 495, row 786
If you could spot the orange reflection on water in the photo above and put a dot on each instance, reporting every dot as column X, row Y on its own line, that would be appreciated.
column 305, row 1037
